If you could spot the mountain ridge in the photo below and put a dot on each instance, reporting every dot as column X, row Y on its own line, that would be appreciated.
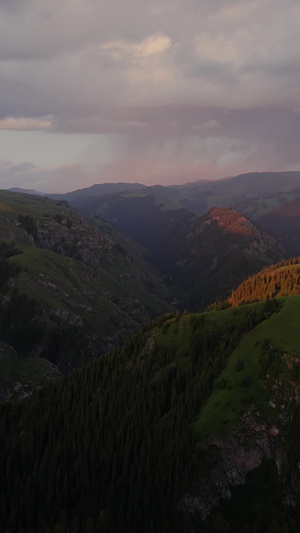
column 255, row 194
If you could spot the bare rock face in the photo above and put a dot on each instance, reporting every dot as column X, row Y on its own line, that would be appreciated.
column 230, row 459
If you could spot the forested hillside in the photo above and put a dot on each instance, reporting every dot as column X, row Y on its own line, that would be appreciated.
column 128, row 442
column 276, row 281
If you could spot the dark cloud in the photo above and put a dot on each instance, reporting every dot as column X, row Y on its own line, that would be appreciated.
column 14, row 5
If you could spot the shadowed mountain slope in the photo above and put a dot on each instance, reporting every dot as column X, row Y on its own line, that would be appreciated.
column 73, row 289
column 200, row 258
column 216, row 252
column 283, row 223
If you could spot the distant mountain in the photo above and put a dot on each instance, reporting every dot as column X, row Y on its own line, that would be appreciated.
column 254, row 194
column 290, row 209
column 122, row 206
column 200, row 258
column 80, row 196
column 283, row 223
column 26, row 191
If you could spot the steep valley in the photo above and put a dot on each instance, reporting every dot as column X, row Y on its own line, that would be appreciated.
column 201, row 259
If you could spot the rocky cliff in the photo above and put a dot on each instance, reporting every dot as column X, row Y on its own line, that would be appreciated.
column 229, row 459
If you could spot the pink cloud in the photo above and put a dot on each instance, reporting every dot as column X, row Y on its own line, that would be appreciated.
column 25, row 123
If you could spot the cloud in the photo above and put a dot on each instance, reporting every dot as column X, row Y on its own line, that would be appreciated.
column 209, row 125
column 97, row 124
column 174, row 86
column 24, row 123
column 154, row 44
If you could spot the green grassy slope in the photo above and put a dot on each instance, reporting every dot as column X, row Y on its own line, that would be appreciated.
column 241, row 383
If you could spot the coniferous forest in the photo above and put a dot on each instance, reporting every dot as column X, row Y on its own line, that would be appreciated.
column 113, row 446
column 277, row 281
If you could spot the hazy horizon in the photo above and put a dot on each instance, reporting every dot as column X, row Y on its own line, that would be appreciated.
column 116, row 182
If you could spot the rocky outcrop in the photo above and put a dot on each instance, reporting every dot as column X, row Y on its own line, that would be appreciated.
column 228, row 461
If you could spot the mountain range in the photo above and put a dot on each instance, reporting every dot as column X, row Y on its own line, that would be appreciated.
column 192, row 423
column 269, row 199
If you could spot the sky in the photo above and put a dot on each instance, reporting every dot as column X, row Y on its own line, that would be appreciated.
column 147, row 91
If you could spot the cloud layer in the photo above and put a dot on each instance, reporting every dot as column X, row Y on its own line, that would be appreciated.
column 164, row 91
